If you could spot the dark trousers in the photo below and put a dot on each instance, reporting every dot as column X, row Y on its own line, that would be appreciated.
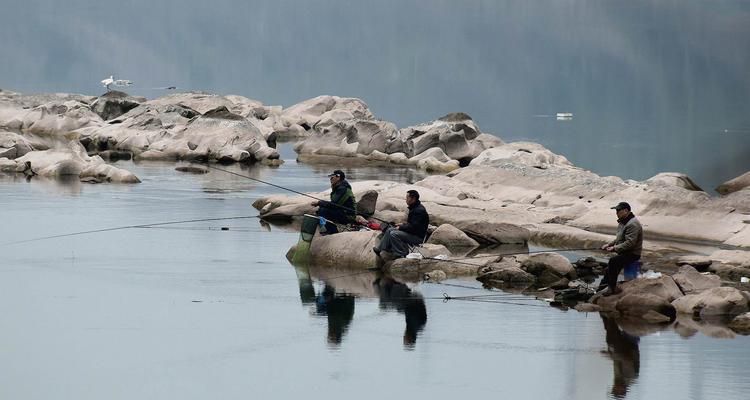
column 398, row 242
column 335, row 215
column 615, row 265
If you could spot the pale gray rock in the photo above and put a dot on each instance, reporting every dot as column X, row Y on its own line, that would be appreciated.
column 13, row 145
column 72, row 161
column 736, row 184
column 309, row 112
column 115, row 103
column 663, row 287
column 451, row 237
column 691, row 281
column 714, row 301
column 674, row 179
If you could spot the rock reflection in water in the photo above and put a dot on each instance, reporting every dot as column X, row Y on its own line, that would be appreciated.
column 622, row 349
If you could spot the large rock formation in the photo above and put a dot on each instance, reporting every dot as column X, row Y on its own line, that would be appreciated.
column 736, row 184
column 441, row 145
column 70, row 160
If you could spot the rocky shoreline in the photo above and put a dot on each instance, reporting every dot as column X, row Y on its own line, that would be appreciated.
column 487, row 192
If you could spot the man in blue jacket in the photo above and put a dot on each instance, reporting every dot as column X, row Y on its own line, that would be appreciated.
column 397, row 240
column 342, row 207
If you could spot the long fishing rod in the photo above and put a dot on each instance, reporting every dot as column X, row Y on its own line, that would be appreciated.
column 293, row 191
column 126, row 227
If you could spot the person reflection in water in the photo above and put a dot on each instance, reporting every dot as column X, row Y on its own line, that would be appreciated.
column 396, row 295
column 339, row 308
column 622, row 349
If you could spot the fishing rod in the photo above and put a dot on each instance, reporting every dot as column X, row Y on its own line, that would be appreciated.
column 157, row 224
column 294, row 191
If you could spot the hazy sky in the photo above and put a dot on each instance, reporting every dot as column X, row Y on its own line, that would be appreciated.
column 653, row 85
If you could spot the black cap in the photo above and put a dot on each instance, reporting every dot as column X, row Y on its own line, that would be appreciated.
column 338, row 173
column 622, row 205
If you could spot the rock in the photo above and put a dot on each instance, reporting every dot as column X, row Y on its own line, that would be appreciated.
column 691, row 281
column 115, row 103
column 525, row 153
column 736, row 184
column 732, row 257
column 552, row 261
column 701, row 263
column 741, row 324
column 674, row 179
column 192, row 169
column 13, row 145
column 451, row 237
column 7, row 165
column 353, row 249
column 506, row 274
column 366, row 203
column 435, row 276
column 664, row 288
column 588, row 266
column 114, row 155
column 729, row 272
column 72, row 161
column 430, row 250
column 493, row 233
column 651, row 307
column 711, row 302
column 587, row 307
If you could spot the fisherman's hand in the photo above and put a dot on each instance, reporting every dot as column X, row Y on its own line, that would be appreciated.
column 610, row 248
column 314, row 203
column 604, row 246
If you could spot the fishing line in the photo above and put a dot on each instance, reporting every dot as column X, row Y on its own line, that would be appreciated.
column 291, row 190
column 126, row 227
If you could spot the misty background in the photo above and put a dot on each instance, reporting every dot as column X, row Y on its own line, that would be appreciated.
column 653, row 85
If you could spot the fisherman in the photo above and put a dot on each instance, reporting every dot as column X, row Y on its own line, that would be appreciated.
column 342, row 207
column 396, row 240
column 627, row 244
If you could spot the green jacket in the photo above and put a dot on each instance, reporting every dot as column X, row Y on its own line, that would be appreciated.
column 342, row 199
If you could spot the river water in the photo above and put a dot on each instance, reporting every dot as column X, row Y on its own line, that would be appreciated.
column 192, row 311
column 653, row 85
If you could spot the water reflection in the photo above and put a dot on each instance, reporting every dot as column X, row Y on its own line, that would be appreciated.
column 622, row 349
column 336, row 301
column 397, row 296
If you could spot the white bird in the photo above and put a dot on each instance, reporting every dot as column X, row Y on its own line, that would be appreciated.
column 108, row 81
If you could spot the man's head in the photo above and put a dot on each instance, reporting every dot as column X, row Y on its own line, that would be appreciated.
column 622, row 208
column 412, row 197
column 336, row 177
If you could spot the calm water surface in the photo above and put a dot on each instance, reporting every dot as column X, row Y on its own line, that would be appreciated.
column 193, row 312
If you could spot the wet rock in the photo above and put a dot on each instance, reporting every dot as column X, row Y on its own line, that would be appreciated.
column 498, row 274
column 115, row 103
column 192, row 169
column 715, row 301
column 663, row 287
column 674, row 179
column 548, row 268
column 736, row 184
column 451, row 237
column 114, row 155
column 588, row 266
column 647, row 306
column 353, row 249
column 741, row 324
column 587, row 307
column 691, row 281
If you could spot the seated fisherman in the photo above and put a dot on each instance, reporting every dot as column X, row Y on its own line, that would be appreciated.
column 342, row 207
column 396, row 240
column 627, row 244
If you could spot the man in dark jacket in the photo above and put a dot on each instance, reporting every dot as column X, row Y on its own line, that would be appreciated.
column 342, row 207
column 396, row 240
column 627, row 244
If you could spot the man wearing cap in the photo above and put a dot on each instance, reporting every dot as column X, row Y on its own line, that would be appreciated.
column 342, row 207
column 411, row 233
column 627, row 244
